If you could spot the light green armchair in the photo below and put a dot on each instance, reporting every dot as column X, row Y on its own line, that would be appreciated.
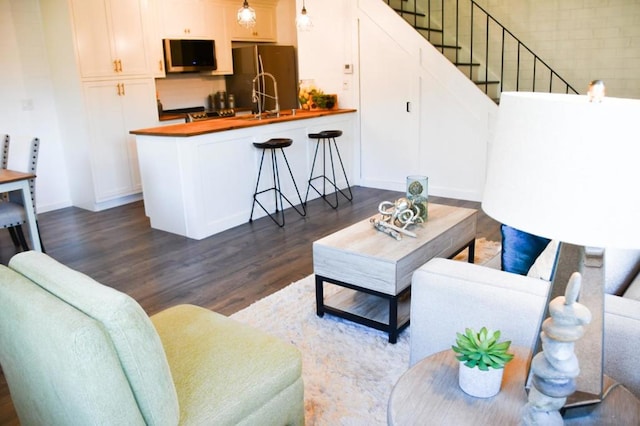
column 75, row 352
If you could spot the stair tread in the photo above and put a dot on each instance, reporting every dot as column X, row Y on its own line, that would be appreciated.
column 433, row 30
column 408, row 12
column 446, row 46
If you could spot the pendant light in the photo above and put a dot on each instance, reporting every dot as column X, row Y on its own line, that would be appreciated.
column 246, row 15
column 303, row 21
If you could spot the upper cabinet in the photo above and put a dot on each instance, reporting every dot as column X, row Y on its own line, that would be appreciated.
column 154, row 41
column 184, row 19
column 198, row 19
column 110, row 37
column 218, row 26
column 265, row 28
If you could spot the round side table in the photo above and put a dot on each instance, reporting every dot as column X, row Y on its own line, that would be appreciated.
column 428, row 393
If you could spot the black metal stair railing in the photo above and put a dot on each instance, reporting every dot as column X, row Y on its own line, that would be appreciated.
column 480, row 46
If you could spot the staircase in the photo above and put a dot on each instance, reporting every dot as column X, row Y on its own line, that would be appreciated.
column 482, row 48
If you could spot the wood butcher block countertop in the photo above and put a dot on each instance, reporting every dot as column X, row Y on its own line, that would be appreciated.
column 223, row 124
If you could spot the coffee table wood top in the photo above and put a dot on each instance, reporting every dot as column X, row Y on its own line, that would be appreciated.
column 364, row 239
column 368, row 258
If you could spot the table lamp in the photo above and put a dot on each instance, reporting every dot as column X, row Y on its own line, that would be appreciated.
column 565, row 167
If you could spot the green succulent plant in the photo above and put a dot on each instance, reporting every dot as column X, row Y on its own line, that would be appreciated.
column 482, row 349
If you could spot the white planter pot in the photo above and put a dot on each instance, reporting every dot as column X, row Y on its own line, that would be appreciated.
column 478, row 383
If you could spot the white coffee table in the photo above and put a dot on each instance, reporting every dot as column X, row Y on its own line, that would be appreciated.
column 374, row 270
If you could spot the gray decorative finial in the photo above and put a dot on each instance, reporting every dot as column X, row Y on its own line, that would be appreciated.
column 596, row 91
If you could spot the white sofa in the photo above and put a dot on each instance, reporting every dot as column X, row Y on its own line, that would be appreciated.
column 447, row 296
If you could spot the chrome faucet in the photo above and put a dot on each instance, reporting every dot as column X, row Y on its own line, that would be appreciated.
column 257, row 95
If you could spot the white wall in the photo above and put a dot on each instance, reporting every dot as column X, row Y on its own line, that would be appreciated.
column 451, row 119
column 324, row 50
column 328, row 46
column 27, row 106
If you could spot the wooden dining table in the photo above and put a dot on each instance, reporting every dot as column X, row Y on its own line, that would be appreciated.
column 12, row 180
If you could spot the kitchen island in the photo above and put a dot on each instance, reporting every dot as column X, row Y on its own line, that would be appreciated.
column 198, row 178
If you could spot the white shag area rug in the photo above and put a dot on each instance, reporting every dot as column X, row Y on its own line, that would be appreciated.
column 348, row 370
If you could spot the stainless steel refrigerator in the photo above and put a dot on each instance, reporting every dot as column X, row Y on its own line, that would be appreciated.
column 280, row 61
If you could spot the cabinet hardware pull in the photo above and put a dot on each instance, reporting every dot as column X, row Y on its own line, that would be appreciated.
column 115, row 65
column 160, row 64
column 408, row 106
column 119, row 65
column 118, row 88
column 122, row 89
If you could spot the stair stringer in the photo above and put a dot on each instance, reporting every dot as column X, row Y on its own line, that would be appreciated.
column 482, row 71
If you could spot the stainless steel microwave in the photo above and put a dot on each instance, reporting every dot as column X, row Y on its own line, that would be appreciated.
column 189, row 55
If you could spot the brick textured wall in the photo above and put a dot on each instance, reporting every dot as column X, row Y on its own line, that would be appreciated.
column 581, row 39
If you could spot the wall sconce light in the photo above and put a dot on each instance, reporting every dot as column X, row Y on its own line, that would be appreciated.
column 303, row 21
column 246, row 15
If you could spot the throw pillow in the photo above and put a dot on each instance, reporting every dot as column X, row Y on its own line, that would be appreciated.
column 544, row 266
column 520, row 249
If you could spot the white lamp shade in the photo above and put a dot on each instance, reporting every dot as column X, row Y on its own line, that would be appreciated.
column 565, row 168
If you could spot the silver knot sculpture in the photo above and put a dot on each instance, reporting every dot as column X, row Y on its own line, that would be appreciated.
column 554, row 370
column 394, row 218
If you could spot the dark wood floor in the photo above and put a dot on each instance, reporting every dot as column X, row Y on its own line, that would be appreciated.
column 225, row 272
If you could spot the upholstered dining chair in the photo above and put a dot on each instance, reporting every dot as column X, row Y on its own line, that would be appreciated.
column 6, row 140
column 5, row 150
column 12, row 212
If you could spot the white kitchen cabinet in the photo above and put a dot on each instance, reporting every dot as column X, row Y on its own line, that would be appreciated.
column 199, row 185
column 154, row 41
column 218, row 26
column 195, row 19
column 96, row 106
column 110, row 37
column 265, row 28
column 184, row 19
column 224, row 56
column 114, row 108
column 156, row 55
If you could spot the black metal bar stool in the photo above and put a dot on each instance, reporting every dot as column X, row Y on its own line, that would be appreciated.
column 326, row 137
column 278, row 216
